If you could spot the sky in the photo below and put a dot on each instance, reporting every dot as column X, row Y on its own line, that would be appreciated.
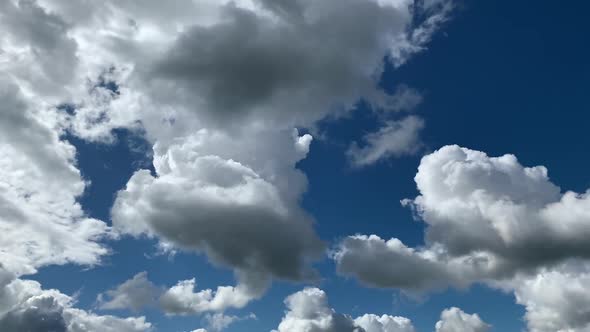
column 294, row 166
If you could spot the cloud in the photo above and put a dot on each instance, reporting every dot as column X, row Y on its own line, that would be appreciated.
column 135, row 293
column 219, row 321
column 216, row 195
column 556, row 299
column 489, row 218
column 182, row 299
column 25, row 306
column 454, row 319
column 217, row 87
column 41, row 222
column 384, row 323
column 308, row 310
column 393, row 139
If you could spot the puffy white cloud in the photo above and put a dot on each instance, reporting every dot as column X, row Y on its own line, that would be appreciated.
column 556, row 299
column 182, row 299
column 489, row 218
column 384, row 323
column 25, row 306
column 134, row 294
column 454, row 319
column 308, row 311
column 395, row 138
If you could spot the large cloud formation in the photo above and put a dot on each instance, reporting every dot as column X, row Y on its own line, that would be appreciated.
column 217, row 87
column 490, row 220
column 309, row 311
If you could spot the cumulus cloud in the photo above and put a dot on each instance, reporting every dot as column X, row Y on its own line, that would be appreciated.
column 135, row 293
column 556, row 299
column 395, row 138
column 454, row 319
column 216, row 195
column 217, row 87
column 182, row 299
column 489, row 218
column 384, row 323
column 25, row 306
column 308, row 310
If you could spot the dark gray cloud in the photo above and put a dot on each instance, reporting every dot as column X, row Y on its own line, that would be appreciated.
column 41, row 315
column 294, row 61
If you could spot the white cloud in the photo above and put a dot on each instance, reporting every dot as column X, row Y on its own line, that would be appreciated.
column 454, row 319
column 489, row 218
column 308, row 310
column 214, row 87
column 556, row 299
column 384, row 323
column 41, row 221
column 182, row 299
column 393, row 139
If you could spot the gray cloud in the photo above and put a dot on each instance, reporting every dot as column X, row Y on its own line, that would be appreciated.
column 135, row 293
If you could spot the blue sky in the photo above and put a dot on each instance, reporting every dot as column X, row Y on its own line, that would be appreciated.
column 500, row 77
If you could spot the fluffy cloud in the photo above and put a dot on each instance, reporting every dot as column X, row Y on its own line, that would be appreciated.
column 217, row 195
column 454, row 319
column 384, row 323
column 308, row 310
column 182, row 299
column 556, row 299
column 25, row 306
column 489, row 218
column 134, row 294
column 217, row 87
